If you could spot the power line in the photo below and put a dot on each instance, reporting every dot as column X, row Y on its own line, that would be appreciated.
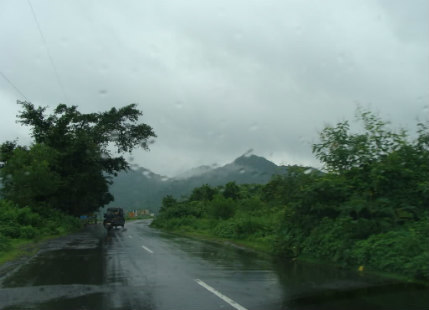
column 13, row 85
column 57, row 76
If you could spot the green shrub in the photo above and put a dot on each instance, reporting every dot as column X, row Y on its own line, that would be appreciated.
column 241, row 228
column 330, row 240
column 25, row 216
column 225, row 229
column 8, row 211
column 26, row 223
column 28, row 232
column 10, row 230
column 4, row 243
column 404, row 251
column 222, row 208
column 184, row 223
column 253, row 205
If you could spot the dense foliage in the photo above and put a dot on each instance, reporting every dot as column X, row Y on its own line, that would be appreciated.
column 369, row 208
column 70, row 164
column 28, row 224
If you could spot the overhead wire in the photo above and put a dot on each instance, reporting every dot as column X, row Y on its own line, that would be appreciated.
column 57, row 76
column 13, row 85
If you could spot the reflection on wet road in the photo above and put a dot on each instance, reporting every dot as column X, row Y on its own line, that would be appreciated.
column 141, row 268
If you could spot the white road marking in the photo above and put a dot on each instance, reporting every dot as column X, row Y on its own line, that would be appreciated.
column 147, row 249
column 220, row 295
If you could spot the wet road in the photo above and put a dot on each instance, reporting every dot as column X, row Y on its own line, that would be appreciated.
column 142, row 268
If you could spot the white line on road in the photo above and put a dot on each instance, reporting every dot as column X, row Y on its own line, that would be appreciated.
column 147, row 249
column 220, row 295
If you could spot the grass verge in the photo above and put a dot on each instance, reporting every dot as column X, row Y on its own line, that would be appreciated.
column 262, row 248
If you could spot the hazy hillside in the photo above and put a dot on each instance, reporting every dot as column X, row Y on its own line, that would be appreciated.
column 141, row 188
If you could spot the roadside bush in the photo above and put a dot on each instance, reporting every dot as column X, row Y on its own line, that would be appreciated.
column 253, row 205
column 330, row 240
column 225, row 229
column 8, row 212
column 185, row 223
column 28, row 232
column 222, row 208
column 241, row 228
column 26, row 223
column 404, row 251
column 4, row 243
column 250, row 226
column 10, row 230
column 25, row 216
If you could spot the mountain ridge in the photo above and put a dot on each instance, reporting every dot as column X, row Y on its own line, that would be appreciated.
column 141, row 188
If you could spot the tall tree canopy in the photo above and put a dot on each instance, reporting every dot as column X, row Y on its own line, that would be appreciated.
column 71, row 156
column 382, row 166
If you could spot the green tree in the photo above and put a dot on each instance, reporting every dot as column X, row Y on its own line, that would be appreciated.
column 341, row 150
column 82, row 146
column 167, row 202
column 28, row 177
column 203, row 193
column 231, row 191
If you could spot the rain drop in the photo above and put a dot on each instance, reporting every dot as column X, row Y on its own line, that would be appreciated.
column 297, row 29
column 254, row 127
column 64, row 42
column 238, row 36
column 179, row 105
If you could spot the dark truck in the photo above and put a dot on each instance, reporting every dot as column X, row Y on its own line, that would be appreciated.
column 114, row 217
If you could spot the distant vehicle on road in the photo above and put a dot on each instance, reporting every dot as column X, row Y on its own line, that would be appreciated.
column 114, row 217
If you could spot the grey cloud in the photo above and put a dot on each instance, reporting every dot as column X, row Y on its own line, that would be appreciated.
column 217, row 78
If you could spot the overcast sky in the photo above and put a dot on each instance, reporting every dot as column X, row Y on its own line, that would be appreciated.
column 217, row 78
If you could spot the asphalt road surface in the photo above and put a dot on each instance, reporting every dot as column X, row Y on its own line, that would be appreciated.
column 142, row 268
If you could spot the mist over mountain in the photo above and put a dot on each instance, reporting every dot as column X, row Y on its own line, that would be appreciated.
column 142, row 188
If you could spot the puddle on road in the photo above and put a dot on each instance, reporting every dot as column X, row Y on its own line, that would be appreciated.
column 60, row 267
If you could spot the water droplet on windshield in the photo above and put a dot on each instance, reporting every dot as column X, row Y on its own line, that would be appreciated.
column 104, row 68
column 64, row 42
column 297, row 29
column 238, row 36
column 179, row 105
column 254, row 127
column 221, row 12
